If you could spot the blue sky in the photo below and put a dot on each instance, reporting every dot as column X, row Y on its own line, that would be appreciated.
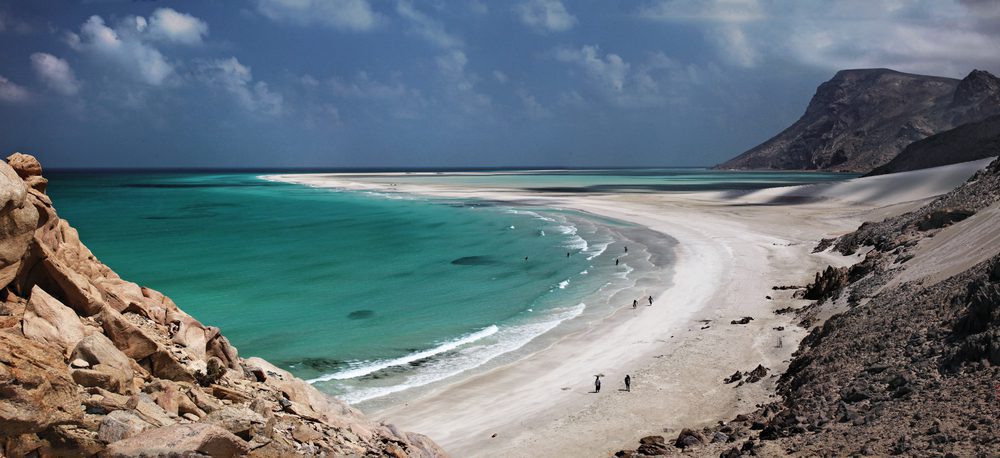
column 434, row 83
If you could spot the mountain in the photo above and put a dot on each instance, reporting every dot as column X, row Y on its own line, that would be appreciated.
column 861, row 119
column 968, row 142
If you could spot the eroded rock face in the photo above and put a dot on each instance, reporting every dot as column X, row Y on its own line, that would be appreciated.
column 36, row 391
column 94, row 364
column 48, row 320
column 180, row 440
column 24, row 164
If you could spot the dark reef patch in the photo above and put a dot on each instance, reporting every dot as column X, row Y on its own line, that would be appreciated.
column 361, row 314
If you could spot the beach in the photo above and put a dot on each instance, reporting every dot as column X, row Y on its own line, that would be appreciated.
column 732, row 248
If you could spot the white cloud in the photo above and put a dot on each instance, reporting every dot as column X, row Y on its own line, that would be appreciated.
column 942, row 37
column 237, row 79
column 125, row 48
column 354, row 15
column 12, row 92
column 655, row 81
column 609, row 71
column 532, row 107
column 55, row 73
column 730, row 11
column 545, row 15
column 169, row 25
column 426, row 27
column 459, row 83
column 501, row 77
column 392, row 97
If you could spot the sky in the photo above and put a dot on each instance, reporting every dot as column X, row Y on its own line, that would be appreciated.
column 435, row 83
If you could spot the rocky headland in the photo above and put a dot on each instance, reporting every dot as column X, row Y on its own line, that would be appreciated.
column 94, row 365
column 862, row 119
column 903, row 353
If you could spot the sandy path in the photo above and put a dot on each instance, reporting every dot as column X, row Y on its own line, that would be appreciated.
column 731, row 251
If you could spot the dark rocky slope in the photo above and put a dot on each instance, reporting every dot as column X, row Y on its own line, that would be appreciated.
column 93, row 364
column 968, row 142
column 912, row 369
column 861, row 119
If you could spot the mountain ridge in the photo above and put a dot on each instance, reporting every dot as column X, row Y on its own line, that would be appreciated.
column 862, row 118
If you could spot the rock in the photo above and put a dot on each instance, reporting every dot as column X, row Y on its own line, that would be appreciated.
column 214, row 370
column 164, row 365
column 48, row 320
column 79, row 364
column 305, row 434
column 75, row 289
column 129, row 338
column 119, row 425
column 743, row 320
column 195, row 439
column 35, row 387
column 25, row 165
column 96, row 349
column 732, row 378
column 943, row 217
column 18, row 220
column 653, row 445
column 146, row 409
column 827, row 283
column 239, row 420
column 719, row 437
column 689, row 438
column 102, row 376
column 757, row 374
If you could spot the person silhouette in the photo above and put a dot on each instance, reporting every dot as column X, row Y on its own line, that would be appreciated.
column 628, row 383
column 597, row 383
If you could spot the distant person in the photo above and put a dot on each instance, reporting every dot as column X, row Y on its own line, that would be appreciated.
column 628, row 383
column 616, row 261
column 525, row 258
column 650, row 300
column 597, row 383
column 567, row 254
column 626, row 248
column 635, row 303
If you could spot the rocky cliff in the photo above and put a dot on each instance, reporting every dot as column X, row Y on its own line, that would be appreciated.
column 861, row 119
column 908, row 362
column 91, row 364
column 968, row 142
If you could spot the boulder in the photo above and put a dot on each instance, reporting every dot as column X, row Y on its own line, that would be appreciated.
column 102, row 376
column 35, row 387
column 688, row 438
column 25, row 165
column 76, row 290
column 48, row 320
column 129, row 338
column 240, row 421
column 98, row 350
column 119, row 425
column 307, row 400
column 164, row 365
column 18, row 220
column 196, row 439
column 653, row 446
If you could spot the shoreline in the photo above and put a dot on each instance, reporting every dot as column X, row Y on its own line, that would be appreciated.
column 731, row 250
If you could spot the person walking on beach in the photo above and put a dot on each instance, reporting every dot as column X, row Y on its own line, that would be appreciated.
column 650, row 300
column 628, row 383
column 597, row 383
column 616, row 261
column 635, row 303
column 626, row 248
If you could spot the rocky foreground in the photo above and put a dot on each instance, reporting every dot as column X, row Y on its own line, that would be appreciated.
column 91, row 364
column 906, row 357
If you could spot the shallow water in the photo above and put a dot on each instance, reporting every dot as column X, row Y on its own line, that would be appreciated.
column 365, row 294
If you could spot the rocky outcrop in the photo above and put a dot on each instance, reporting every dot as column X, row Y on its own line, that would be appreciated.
column 968, row 142
column 911, row 370
column 861, row 119
column 93, row 364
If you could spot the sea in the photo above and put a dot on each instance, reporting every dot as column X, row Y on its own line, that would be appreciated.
column 378, row 296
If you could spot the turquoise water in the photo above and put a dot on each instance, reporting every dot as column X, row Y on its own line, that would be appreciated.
column 366, row 294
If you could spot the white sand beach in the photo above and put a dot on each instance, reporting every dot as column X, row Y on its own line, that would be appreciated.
column 733, row 247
